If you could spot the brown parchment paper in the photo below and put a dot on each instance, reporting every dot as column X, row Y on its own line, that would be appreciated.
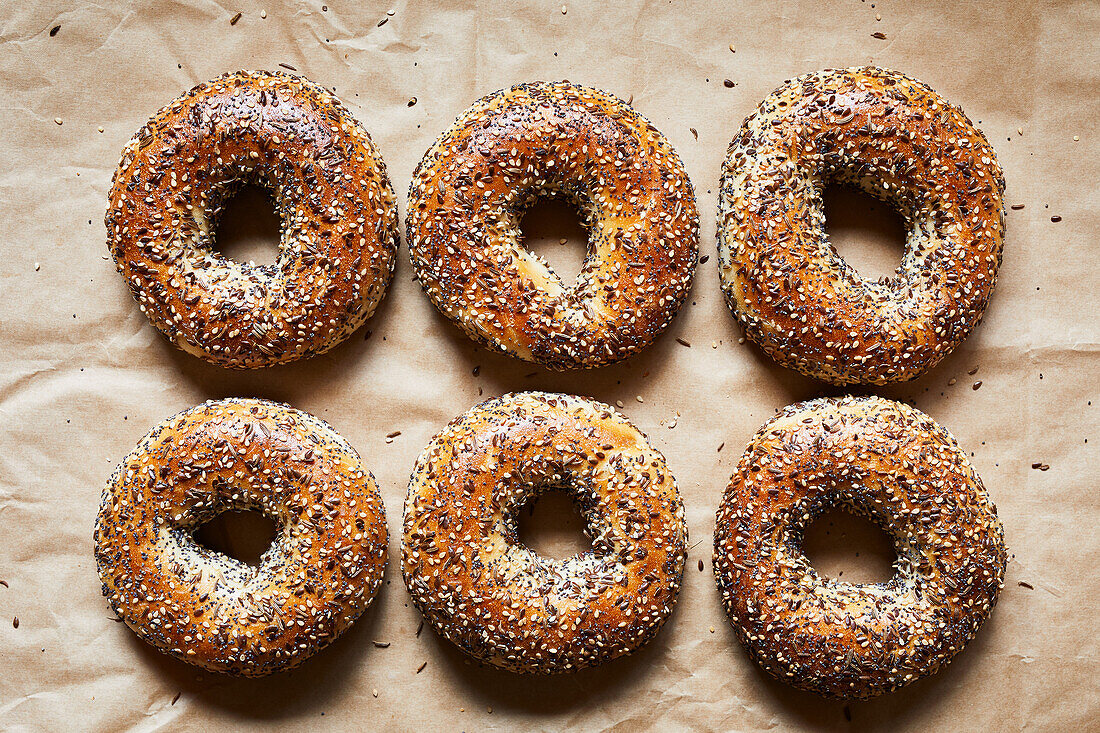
column 83, row 375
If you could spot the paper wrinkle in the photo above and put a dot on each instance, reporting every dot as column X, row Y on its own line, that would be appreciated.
column 76, row 394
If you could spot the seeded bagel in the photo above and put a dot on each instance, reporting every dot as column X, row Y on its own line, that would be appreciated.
column 212, row 610
column 895, row 138
column 894, row 465
column 586, row 146
column 497, row 599
column 338, row 242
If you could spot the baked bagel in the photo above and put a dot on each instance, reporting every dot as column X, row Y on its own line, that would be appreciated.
column 898, row 140
column 498, row 600
column 896, row 466
column 207, row 608
column 554, row 139
column 339, row 220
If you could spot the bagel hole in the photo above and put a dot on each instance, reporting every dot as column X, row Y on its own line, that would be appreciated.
column 249, row 228
column 551, row 526
column 243, row 536
column 869, row 234
column 844, row 546
column 544, row 225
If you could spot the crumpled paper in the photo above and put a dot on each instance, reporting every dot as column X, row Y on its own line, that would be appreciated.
column 84, row 375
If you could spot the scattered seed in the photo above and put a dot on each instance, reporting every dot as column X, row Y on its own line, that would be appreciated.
column 700, row 566
column 412, row 101
column 682, row 342
column 1076, row 138
column 704, row 259
column 54, row 30
column 728, row 83
column 712, row 629
column 476, row 370
column 234, row 19
column 720, row 447
column 58, row 120
column 951, row 382
column 421, row 667
column 1019, row 131
column 639, row 398
column 4, row 583
column 15, row 622
column 1036, row 465
column 879, row 35
column 1017, row 207
column 973, row 371
column 977, row 385
column 420, row 627
column 37, row 267
column 1027, row 585
column 878, row 17
column 732, row 49
column 1056, row 218
column 382, row 644
column 1044, row 467
column 383, row 22
column 694, row 132
column 287, row 66
column 714, row 344
column 374, row 692
column 741, row 340
column 564, row 10
column 263, row 13
column 176, row 698
column 619, row 403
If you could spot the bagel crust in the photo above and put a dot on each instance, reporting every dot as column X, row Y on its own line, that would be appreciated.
column 498, row 600
column 338, row 239
column 895, row 138
column 512, row 147
column 896, row 466
column 212, row 610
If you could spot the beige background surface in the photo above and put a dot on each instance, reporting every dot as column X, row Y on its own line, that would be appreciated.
column 83, row 375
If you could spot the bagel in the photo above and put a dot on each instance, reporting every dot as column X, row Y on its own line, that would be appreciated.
column 539, row 140
column 894, row 465
column 498, row 600
column 339, row 236
column 212, row 610
column 901, row 142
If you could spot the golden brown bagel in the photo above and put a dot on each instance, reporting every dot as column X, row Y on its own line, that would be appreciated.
column 896, row 466
column 207, row 608
column 898, row 140
column 554, row 139
column 338, row 212
column 498, row 600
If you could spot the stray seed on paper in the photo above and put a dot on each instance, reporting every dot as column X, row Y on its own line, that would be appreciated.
column 263, row 14
column 58, row 120
column 37, row 267
column 619, row 403
column 100, row 128
column 374, row 692
column 639, row 398
column 564, row 10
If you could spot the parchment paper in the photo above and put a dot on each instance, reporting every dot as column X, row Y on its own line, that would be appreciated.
column 83, row 375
